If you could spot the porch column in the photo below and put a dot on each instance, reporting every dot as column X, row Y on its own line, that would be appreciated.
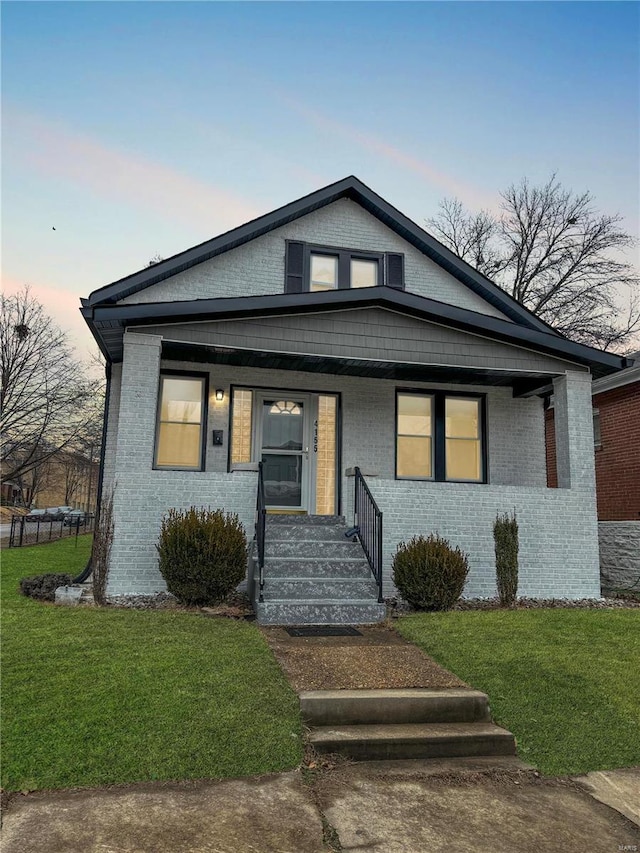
column 574, row 431
column 138, row 404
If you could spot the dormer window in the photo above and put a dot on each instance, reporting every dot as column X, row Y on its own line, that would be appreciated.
column 317, row 268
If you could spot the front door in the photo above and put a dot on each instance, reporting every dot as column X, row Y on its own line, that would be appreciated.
column 283, row 446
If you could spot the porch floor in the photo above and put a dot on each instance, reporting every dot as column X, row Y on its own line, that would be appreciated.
column 380, row 658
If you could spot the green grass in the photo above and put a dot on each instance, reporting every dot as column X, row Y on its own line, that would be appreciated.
column 565, row 682
column 95, row 696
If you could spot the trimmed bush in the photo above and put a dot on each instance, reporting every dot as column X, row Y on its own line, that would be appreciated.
column 505, row 535
column 203, row 554
column 429, row 573
column 43, row 587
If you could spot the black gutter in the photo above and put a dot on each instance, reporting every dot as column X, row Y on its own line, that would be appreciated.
column 408, row 303
column 84, row 574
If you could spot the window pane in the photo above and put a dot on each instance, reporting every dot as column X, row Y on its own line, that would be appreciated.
column 325, row 453
column 364, row 273
column 414, row 456
column 282, row 425
column 462, row 418
column 414, row 414
column 241, row 426
column 463, row 459
column 181, row 400
column 324, row 272
column 282, row 479
column 179, row 445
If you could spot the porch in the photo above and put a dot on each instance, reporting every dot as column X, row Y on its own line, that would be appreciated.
column 311, row 465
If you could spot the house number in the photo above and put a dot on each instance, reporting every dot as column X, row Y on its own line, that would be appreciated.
column 315, row 436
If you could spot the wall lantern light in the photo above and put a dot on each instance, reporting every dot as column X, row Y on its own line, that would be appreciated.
column 219, row 394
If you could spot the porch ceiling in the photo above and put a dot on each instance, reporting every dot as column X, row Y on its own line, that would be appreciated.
column 523, row 383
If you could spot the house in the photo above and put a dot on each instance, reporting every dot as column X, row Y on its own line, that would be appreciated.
column 616, row 422
column 342, row 346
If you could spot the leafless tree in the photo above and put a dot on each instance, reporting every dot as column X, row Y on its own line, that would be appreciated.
column 45, row 399
column 553, row 252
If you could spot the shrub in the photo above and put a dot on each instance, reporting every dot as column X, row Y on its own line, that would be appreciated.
column 203, row 554
column 429, row 573
column 505, row 535
column 43, row 587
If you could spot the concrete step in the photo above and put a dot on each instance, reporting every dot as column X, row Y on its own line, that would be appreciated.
column 415, row 740
column 461, row 767
column 316, row 567
column 309, row 532
column 415, row 705
column 304, row 589
column 319, row 612
column 312, row 548
column 273, row 519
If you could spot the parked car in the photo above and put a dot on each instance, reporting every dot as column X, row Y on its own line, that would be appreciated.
column 77, row 516
column 36, row 515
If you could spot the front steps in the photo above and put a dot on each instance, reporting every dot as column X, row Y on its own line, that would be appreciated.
column 313, row 575
column 397, row 725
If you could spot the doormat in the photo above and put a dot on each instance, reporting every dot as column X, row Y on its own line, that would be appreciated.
column 324, row 631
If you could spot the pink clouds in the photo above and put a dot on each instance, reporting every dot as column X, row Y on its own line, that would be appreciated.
column 472, row 196
column 59, row 152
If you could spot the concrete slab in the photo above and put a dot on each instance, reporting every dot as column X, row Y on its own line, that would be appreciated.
column 392, row 815
column 619, row 789
column 273, row 814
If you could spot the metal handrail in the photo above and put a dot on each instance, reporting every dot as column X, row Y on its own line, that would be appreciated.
column 368, row 520
column 261, row 520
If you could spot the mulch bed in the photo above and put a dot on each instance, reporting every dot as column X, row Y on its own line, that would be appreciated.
column 380, row 658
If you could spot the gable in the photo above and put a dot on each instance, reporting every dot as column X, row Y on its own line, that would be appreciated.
column 257, row 268
column 362, row 333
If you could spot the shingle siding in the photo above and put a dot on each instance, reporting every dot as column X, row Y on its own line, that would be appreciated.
column 257, row 268
column 363, row 333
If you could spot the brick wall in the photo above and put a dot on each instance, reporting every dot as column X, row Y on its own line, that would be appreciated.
column 617, row 459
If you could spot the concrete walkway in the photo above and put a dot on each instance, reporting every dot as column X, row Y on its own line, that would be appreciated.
column 353, row 808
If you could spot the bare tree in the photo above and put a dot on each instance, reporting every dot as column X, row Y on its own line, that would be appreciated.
column 44, row 396
column 553, row 252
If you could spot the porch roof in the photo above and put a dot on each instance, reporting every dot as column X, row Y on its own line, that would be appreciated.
column 109, row 322
column 524, row 383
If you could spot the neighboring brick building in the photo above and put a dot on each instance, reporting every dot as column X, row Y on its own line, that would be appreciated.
column 616, row 420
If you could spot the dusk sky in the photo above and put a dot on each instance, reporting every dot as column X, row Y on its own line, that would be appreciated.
column 137, row 129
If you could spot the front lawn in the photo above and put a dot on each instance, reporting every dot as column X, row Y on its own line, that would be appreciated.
column 565, row 682
column 94, row 696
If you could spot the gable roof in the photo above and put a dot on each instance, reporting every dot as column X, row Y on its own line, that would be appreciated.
column 350, row 188
column 108, row 322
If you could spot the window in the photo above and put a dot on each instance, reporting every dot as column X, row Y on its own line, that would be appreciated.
column 317, row 268
column 181, row 422
column 597, row 433
column 440, row 437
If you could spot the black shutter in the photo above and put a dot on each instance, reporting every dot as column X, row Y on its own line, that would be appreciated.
column 395, row 271
column 294, row 268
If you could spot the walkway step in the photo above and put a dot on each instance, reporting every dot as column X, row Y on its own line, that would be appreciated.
column 309, row 532
column 274, row 519
column 319, row 612
column 415, row 705
column 418, row 740
column 316, row 567
column 443, row 766
column 305, row 589
column 312, row 548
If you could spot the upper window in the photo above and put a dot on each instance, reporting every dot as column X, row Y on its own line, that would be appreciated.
column 181, row 422
column 440, row 437
column 315, row 268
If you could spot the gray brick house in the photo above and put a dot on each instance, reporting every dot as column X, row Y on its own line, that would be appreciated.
column 330, row 335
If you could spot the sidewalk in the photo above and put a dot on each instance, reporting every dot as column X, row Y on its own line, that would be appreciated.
column 352, row 808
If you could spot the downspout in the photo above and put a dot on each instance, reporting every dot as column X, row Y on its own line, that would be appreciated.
column 84, row 574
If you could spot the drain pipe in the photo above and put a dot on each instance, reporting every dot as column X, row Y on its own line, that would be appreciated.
column 86, row 572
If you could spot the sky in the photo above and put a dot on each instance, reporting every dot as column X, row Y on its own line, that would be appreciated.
column 132, row 129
